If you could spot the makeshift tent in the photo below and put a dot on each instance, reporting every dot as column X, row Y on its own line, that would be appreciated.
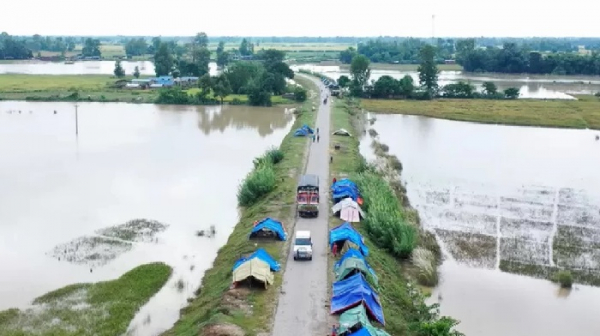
column 346, row 232
column 345, row 188
column 268, row 227
column 253, row 269
column 348, row 210
column 342, row 132
column 357, row 316
column 352, row 262
column 262, row 255
column 353, row 292
column 304, row 131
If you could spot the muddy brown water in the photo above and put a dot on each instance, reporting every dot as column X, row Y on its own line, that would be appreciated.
column 80, row 68
column 504, row 194
column 180, row 166
column 542, row 87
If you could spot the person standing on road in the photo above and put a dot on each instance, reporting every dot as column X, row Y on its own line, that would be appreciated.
column 334, row 249
column 317, row 130
column 333, row 330
column 318, row 137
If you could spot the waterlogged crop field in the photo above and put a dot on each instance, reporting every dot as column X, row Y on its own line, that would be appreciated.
column 533, row 230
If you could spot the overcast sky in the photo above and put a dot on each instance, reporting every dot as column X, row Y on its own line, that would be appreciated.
column 301, row 18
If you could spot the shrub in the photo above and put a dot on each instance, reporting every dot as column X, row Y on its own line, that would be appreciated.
column 272, row 156
column 257, row 184
column 385, row 222
column 564, row 278
column 425, row 262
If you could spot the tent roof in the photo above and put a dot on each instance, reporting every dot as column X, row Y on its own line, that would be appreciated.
column 353, row 253
column 270, row 224
column 341, row 131
column 345, row 203
column 344, row 188
column 262, row 255
column 253, row 268
column 351, row 264
column 354, row 291
column 347, row 232
column 358, row 314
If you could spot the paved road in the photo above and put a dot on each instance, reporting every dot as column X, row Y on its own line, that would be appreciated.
column 302, row 304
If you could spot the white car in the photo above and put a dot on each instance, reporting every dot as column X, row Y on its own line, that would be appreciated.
column 303, row 245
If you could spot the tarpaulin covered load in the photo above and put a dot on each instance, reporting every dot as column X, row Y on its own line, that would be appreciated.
column 351, row 317
column 345, row 188
column 346, row 232
column 260, row 254
column 355, row 291
column 303, row 131
column 351, row 263
column 255, row 268
column 348, row 210
column 269, row 225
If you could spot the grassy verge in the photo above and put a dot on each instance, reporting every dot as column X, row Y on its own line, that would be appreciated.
column 402, row 301
column 583, row 113
column 95, row 88
column 249, row 311
column 103, row 308
column 407, row 67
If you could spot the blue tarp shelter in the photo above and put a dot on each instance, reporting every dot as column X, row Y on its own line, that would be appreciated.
column 347, row 232
column 262, row 255
column 355, row 291
column 303, row 131
column 344, row 188
column 353, row 253
column 361, row 332
column 269, row 224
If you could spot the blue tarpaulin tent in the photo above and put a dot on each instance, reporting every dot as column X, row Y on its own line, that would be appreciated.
column 262, row 255
column 269, row 224
column 353, row 253
column 347, row 232
column 303, row 131
column 354, row 291
column 361, row 332
column 344, row 188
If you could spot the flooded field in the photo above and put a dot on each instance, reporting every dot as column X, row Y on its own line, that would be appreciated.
column 134, row 187
column 505, row 199
column 80, row 68
column 543, row 87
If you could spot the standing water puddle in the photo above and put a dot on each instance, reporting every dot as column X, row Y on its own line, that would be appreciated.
column 504, row 197
column 134, row 187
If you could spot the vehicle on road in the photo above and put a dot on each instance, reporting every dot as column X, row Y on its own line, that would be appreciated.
column 303, row 246
column 307, row 197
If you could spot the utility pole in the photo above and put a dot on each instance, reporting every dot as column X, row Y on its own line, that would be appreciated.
column 76, row 121
column 433, row 29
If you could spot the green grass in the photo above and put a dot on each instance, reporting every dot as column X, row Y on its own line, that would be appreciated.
column 253, row 310
column 402, row 301
column 102, row 309
column 584, row 113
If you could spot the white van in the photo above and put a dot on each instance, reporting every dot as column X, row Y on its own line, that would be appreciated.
column 303, row 245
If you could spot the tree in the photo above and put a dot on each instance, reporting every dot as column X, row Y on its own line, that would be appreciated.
column 406, row 86
column 202, row 56
column 201, row 40
column 163, row 60
column 222, row 55
column 347, row 55
column 240, row 74
column 360, row 73
column 511, row 93
column 91, row 48
column 300, row 94
column 386, row 87
column 119, row 71
column 136, row 47
column 136, row 72
column 428, row 71
column 221, row 87
column 246, row 48
column 343, row 81
column 205, row 84
column 489, row 88
column 259, row 89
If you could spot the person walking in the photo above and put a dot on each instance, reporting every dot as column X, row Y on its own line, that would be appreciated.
column 334, row 249
column 313, row 136
column 318, row 137
column 317, row 130
column 333, row 330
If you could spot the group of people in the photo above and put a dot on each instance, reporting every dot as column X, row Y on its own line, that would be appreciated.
column 316, row 136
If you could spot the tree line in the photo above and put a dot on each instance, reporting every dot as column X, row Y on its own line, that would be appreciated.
column 427, row 88
column 405, row 51
column 13, row 48
column 513, row 58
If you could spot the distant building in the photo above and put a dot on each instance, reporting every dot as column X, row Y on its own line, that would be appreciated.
column 449, row 61
column 186, row 81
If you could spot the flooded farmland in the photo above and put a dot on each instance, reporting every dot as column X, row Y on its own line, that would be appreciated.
column 80, row 68
column 134, row 187
column 505, row 200
column 542, row 87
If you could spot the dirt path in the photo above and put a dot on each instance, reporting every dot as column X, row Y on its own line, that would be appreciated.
column 302, row 304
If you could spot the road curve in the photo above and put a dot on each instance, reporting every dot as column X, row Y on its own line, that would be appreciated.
column 302, row 308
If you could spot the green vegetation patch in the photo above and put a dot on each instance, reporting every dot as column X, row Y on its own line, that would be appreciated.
column 139, row 230
column 91, row 250
column 584, row 113
column 99, row 309
column 249, row 310
column 402, row 301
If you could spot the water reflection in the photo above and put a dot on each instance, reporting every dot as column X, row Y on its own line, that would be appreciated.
column 544, row 87
column 80, row 68
column 135, row 161
column 503, row 195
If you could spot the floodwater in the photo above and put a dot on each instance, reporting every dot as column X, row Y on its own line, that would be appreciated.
column 541, row 87
column 178, row 165
column 81, row 68
column 503, row 194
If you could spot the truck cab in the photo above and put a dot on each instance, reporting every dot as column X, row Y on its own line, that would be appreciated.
column 303, row 246
column 308, row 196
